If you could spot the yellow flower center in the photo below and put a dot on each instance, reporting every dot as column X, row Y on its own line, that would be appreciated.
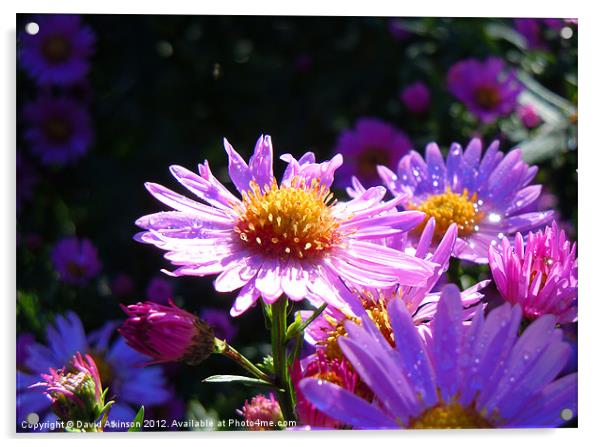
column 448, row 208
column 451, row 415
column 287, row 221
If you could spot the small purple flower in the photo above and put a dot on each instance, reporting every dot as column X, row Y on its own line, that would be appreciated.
column 75, row 390
column 159, row 290
column 220, row 322
column 533, row 30
column 167, row 333
column 371, row 143
column 529, row 116
column 118, row 365
column 58, row 130
column 75, row 260
column 417, row 98
column 539, row 274
column 24, row 340
column 486, row 196
column 262, row 413
column 488, row 88
column 59, row 53
column 288, row 238
column 477, row 376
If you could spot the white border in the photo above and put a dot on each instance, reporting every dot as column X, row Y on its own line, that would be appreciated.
column 590, row 170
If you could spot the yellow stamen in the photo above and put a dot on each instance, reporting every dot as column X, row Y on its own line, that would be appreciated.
column 453, row 415
column 285, row 221
column 448, row 208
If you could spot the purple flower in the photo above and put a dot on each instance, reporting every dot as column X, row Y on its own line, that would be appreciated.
column 485, row 196
column 371, row 143
column 75, row 391
column 417, row 98
column 529, row 116
column 59, row 53
column 75, row 260
column 488, row 89
column 120, row 368
column 262, row 413
column 539, row 274
column 220, row 322
column 324, row 331
column 476, row 376
column 533, row 30
column 159, row 290
column 58, row 130
column 167, row 333
column 288, row 238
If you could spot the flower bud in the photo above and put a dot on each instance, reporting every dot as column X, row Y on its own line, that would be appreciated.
column 262, row 413
column 167, row 333
column 75, row 390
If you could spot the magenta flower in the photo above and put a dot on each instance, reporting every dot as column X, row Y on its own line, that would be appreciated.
column 488, row 89
column 288, row 238
column 477, row 376
column 371, row 143
column 485, row 196
column 539, row 274
column 398, row 30
column 417, row 98
column 75, row 391
column 159, row 290
column 75, row 260
column 262, row 413
column 529, row 116
column 220, row 322
column 58, row 130
column 320, row 366
column 122, row 285
column 166, row 333
column 59, row 53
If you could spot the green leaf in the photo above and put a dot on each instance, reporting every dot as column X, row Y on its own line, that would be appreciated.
column 137, row 422
column 299, row 325
column 225, row 378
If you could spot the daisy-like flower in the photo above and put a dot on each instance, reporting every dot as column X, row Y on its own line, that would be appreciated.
column 324, row 331
column 539, row 274
column 59, row 53
column 477, row 376
column 119, row 366
column 75, row 390
column 484, row 195
column 58, row 130
column 75, row 260
column 167, row 333
column 371, row 143
column 289, row 238
column 488, row 89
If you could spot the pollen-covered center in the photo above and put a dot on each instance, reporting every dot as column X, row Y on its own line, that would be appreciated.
column 448, row 208
column 56, row 49
column 287, row 221
column 451, row 415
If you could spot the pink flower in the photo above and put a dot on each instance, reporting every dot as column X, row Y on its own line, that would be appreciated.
column 262, row 413
column 529, row 116
column 540, row 274
column 167, row 333
column 416, row 97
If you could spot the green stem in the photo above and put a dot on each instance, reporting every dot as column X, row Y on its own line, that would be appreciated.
column 454, row 272
column 282, row 376
column 221, row 347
